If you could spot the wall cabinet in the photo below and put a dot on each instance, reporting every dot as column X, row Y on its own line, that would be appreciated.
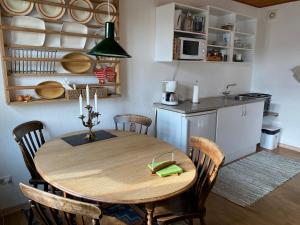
column 167, row 28
column 238, row 129
column 227, row 34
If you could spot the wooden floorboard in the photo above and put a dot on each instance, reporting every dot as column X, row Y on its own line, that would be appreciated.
column 14, row 219
column 280, row 207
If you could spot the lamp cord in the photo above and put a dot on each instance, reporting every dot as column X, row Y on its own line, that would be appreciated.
column 108, row 9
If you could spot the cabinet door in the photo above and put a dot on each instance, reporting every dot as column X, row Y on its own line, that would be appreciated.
column 239, row 129
column 253, row 120
column 168, row 127
column 203, row 126
column 229, row 127
column 165, row 15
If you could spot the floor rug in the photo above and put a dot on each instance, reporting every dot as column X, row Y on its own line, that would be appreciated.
column 124, row 213
column 246, row 181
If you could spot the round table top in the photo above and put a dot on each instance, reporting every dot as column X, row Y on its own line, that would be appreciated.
column 113, row 170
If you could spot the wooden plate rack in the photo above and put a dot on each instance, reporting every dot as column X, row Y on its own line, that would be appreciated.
column 12, row 79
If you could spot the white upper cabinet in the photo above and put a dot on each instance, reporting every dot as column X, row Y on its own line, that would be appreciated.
column 170, row 24
column 225, row 36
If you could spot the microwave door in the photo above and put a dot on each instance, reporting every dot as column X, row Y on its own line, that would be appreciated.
column 190, row 50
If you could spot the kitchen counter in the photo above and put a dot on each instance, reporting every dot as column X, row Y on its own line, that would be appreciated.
column 206, row 104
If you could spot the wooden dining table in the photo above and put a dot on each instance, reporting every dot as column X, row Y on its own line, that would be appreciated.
column 114, row 170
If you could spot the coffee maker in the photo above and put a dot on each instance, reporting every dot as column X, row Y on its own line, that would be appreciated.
column 169, row 96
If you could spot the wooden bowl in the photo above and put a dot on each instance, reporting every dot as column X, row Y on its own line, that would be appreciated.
column 50, row 90
column 82, row 63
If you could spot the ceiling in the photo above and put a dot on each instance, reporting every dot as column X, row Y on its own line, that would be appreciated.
column 264, row 3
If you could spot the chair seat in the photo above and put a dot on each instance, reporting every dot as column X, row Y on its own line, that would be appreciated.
column 175, row 208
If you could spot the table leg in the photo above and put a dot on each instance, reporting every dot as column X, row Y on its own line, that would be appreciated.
column 150, row 209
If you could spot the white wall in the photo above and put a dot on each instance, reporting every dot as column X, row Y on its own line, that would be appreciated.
column 145, row 76
column 279, row 52
column 141, row 85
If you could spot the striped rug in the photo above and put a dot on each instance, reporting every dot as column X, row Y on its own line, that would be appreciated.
column 249, row 179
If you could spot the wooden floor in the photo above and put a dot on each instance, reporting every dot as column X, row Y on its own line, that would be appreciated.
column 281, row 207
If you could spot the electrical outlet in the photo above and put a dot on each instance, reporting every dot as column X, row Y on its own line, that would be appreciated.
column 6, row 180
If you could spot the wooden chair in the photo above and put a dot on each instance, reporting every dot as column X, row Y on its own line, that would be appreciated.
column 30, row 138
column 208, row 159
column 133, row 121
column 50, row 209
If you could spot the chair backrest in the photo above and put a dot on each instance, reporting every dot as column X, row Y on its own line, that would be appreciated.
column 50, row 209
column 132, row 121
column 30, row 138
column 208, row 158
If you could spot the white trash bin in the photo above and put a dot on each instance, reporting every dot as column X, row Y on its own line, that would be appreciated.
column 270, row 137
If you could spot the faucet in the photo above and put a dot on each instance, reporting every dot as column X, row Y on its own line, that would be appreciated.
column 228, row 89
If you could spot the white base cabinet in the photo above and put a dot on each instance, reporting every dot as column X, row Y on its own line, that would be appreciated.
column 239, row 129
column 176, row 128
column 235, row 129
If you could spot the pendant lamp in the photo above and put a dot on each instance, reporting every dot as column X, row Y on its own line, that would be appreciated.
column 109, row 47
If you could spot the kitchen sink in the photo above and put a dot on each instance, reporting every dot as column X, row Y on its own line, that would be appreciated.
column 241, row 98
column 249, row 96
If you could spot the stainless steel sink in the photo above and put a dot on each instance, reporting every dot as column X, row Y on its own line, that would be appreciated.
column 241, row 98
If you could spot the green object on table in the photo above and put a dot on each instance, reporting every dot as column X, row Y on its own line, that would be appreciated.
column 170, row 170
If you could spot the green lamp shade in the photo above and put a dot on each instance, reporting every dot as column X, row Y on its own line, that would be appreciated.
column 109, row 47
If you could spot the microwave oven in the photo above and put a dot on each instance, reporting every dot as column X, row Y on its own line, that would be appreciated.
column 192, row 48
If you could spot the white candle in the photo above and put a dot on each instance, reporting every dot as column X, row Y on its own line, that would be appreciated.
column 87, row 95
column 96, row 102
column 80, row 104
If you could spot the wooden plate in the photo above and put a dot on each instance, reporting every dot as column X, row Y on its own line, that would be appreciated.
column 17, row 7
column 103, row 18
column 79, row 15
column 46, row 91
column 51, row 12
column 77, row 67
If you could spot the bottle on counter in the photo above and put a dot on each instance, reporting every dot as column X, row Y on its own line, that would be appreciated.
column 195, row 93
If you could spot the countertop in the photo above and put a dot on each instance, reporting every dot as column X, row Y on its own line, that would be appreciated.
column 205, row 104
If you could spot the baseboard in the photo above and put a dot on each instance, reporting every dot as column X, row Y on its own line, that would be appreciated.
column 14, row 209
column 289, row 147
